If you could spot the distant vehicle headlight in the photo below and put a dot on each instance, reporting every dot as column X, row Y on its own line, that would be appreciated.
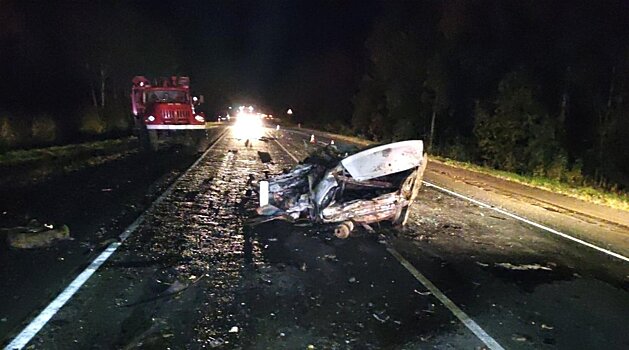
column 199, row 118
column 151, row 118
column 248, row 126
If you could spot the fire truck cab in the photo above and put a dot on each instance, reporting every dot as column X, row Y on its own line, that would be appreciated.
column 164, row 108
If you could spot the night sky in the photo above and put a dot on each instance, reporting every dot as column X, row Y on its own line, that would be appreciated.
column 384, row 70
column 249, row 47
column 235, row 51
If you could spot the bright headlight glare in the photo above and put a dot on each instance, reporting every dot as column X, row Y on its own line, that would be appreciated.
column 199, row 118
column 248, row 127
column 151, row 118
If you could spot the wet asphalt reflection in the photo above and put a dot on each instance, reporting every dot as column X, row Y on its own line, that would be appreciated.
column 195, row 275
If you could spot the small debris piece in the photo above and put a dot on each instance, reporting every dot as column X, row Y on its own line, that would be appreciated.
column 367, row 227
column 523, row 267
column 344, row 229
column 267, row 210
column 352, row 280
column 520, row 337
column 234, row 329
column 421, row 293
column 35, row 235
column 215, row 342
column 266, row 280
column 382, row 320
column 175, row 287
column 265, row 157
column 547, row 327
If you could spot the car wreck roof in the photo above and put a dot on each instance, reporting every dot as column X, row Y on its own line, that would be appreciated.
column 384, row 160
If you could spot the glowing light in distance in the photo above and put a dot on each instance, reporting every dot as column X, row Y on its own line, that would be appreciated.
column 248, row 126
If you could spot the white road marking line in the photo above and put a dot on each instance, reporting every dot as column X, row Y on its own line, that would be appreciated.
column 40, row 321
column 287, row 152
column 456, row 311
column 545, row 228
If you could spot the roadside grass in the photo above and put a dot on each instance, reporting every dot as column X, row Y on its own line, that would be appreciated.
column 211, row 125
column 590, row 194
column 352, row 139
column 345, row 138
column 616, row 200
column 19, row 157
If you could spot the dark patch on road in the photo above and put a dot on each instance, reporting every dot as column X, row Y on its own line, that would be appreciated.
column 310, row 288
column 265, row 157
column 528, row 279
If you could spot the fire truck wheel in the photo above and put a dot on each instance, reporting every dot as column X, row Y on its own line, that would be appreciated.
column 143, row 136
column 153, row 140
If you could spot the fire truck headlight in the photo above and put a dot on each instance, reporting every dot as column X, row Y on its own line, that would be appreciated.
column 151, row 118
column 199, row 118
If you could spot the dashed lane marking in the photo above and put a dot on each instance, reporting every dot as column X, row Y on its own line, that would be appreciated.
column 449, row 304
column 287, row 152
column 545, row 228
column 40, row 321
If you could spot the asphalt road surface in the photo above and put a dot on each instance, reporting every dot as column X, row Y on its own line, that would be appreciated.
column 192, row 274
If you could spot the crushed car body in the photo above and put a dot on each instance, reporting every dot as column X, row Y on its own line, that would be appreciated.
column 374, row 185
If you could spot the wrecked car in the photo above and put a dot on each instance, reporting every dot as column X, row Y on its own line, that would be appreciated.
column 374, row 185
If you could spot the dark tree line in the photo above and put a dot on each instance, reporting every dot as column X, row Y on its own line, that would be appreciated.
column 536, row 87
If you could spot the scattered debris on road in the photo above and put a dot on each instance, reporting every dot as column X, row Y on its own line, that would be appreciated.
column 35, row 235
column 374, row 185
column 523, row 267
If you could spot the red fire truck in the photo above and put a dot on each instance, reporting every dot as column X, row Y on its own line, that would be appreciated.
column 166, row 108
